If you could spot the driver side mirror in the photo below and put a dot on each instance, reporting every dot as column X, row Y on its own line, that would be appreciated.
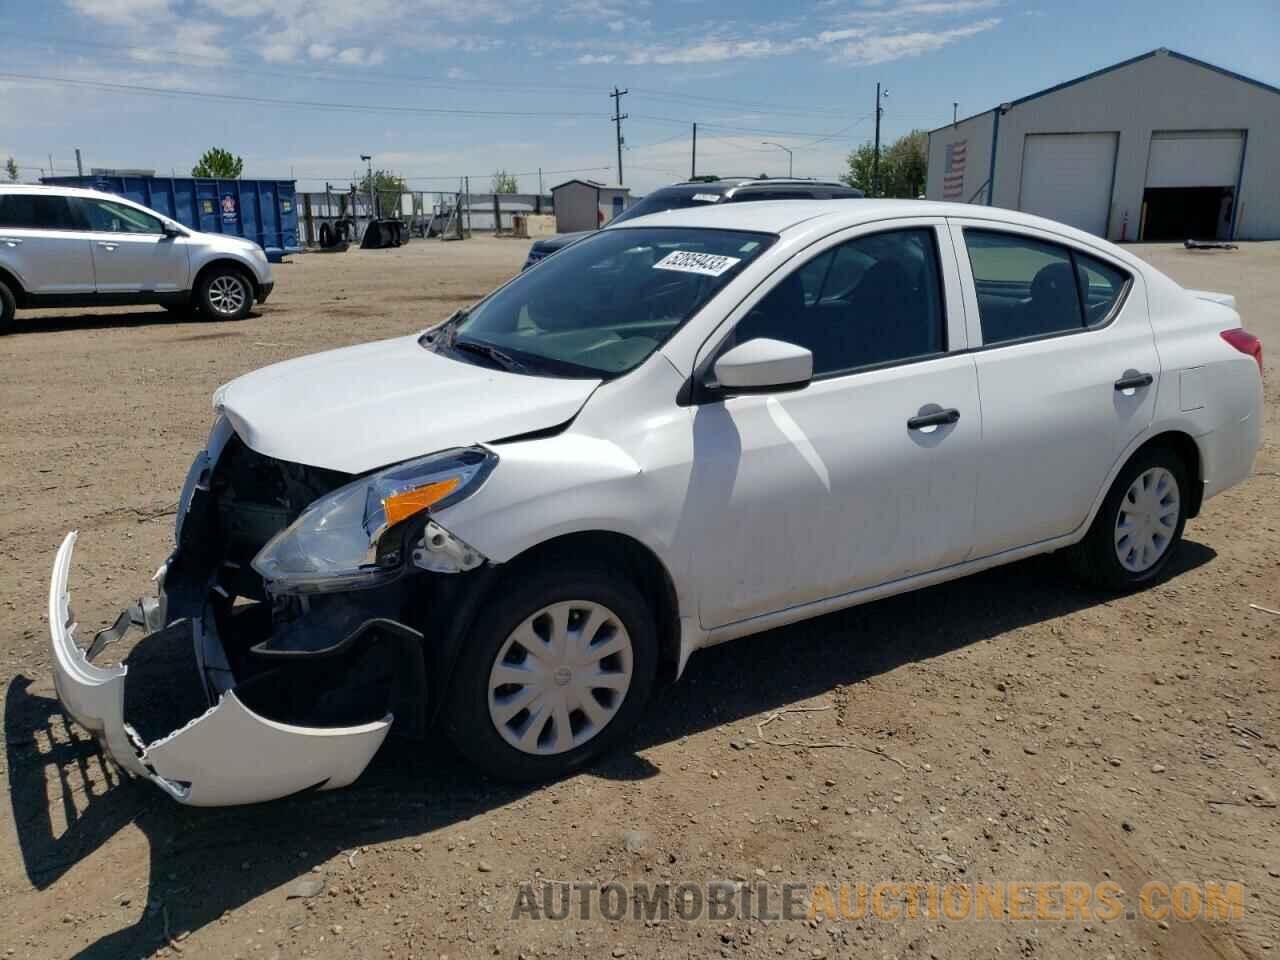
column 764, row 366
column 170, row 231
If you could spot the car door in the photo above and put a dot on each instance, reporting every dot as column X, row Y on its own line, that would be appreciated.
column 131, row 252
column 867, row 474
column 1068, row 372
column 44, row 245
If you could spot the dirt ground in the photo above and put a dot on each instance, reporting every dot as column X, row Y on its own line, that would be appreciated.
column 1007, row 727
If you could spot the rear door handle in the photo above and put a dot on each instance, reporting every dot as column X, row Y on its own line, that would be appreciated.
column 1135, row 381
column 107, row 244
column 11, row 241
column 938, row 419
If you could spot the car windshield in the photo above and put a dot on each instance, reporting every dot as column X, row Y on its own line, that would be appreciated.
column 602, row 306
column 661, row 200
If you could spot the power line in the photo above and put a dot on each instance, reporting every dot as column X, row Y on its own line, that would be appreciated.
column 305, row 104
column 184, row 58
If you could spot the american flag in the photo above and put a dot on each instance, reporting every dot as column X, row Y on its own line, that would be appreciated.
column 953, row 172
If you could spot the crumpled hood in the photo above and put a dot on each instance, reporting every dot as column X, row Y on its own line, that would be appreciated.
column 374, row 404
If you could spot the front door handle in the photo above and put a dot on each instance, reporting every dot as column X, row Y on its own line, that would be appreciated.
column 11, row 241
column 1134, row 381
column 107, row 244
column 938, row 419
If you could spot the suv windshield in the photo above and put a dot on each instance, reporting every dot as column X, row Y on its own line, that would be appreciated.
column 603, row 305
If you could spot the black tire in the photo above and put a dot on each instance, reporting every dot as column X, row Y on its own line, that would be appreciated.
column 215, row 294
column 8, row 309
column 466, row 712
column 1095, row 558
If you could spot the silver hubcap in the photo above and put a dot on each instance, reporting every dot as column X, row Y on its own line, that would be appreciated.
column 227, row 294
column 560, row 677
column 1147, row 519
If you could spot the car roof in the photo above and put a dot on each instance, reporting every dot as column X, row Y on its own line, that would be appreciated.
column 779, row 216
column 60, row 191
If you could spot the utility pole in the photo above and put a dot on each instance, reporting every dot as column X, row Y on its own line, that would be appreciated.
column 618, row 117
column 368, row 158
column 875, row 163
column 79, row 165
column 693, row 162
column 955, row 112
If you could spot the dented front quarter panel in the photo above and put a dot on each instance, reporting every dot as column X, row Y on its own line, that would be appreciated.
column 228, row 755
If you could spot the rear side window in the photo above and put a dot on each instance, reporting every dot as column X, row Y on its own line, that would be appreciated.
column 1101, row 286
column 35, row 211
column 1026, row 287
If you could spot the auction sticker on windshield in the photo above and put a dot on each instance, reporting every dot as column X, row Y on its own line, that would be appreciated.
column 687, row 261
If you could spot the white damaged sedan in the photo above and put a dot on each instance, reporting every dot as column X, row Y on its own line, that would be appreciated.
column 698, row 425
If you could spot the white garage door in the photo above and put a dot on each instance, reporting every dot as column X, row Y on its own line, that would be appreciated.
column 1189, row 158
column 1067, row 177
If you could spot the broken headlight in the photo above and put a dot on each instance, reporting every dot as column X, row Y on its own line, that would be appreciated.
column 334, row 543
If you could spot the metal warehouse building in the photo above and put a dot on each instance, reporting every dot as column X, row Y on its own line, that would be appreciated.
column 1160, row 147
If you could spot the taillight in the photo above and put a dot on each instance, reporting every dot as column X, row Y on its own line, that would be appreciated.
column 1245, row 342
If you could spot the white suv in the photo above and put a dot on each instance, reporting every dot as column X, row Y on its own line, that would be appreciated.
column 63, row 247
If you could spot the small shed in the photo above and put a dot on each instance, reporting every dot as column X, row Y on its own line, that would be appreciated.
column 587, row 205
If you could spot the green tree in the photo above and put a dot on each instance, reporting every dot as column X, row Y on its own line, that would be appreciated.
column 11, row 168
column 504, row 182
column 861, row 162
column 219, row 163
column 909, row 163
column 903, row 165
column 387, row 187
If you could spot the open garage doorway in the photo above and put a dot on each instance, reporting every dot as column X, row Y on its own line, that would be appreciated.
column 1192, row 176
column 1173, row 214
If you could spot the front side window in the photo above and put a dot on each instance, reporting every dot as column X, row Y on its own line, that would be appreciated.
column 1028, row 288
column 873, row 300
column 601, row 306
column 104, row 216
column 36, row 211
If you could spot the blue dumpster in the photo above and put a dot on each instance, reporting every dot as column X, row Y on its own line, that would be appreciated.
column 264, row 211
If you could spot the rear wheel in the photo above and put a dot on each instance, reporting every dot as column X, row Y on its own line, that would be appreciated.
column 556, row 671
column 8, row 308
column 1137, row 530
column 225, row 294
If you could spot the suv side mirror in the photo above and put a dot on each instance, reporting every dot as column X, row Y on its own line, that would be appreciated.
column 764, row 366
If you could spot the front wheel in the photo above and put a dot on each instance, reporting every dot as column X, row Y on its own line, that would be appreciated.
column 8, row 308
column 555, row 672
column 1136, row 532
column 225, row 294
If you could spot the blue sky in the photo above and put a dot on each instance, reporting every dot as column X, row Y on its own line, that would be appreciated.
column 435, row 89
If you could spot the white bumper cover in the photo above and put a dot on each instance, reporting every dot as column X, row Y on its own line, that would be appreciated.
column 228, row 755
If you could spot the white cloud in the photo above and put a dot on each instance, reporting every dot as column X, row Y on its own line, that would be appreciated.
column 123, row 12
column 457, row 73
column 360, row 57
column 896, row 46
column 589, row 58
column 321, row 51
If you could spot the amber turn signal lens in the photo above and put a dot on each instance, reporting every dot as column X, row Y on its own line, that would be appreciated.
column 398, row 506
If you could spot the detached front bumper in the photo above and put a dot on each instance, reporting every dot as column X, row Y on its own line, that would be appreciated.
column 228, row 755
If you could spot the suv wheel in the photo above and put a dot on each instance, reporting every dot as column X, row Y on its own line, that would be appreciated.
column 8, row 307
column 556, row 671
column 225, row 294
column 1136, row 532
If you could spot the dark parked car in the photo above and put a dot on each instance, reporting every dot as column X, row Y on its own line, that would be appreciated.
column 700, row 193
